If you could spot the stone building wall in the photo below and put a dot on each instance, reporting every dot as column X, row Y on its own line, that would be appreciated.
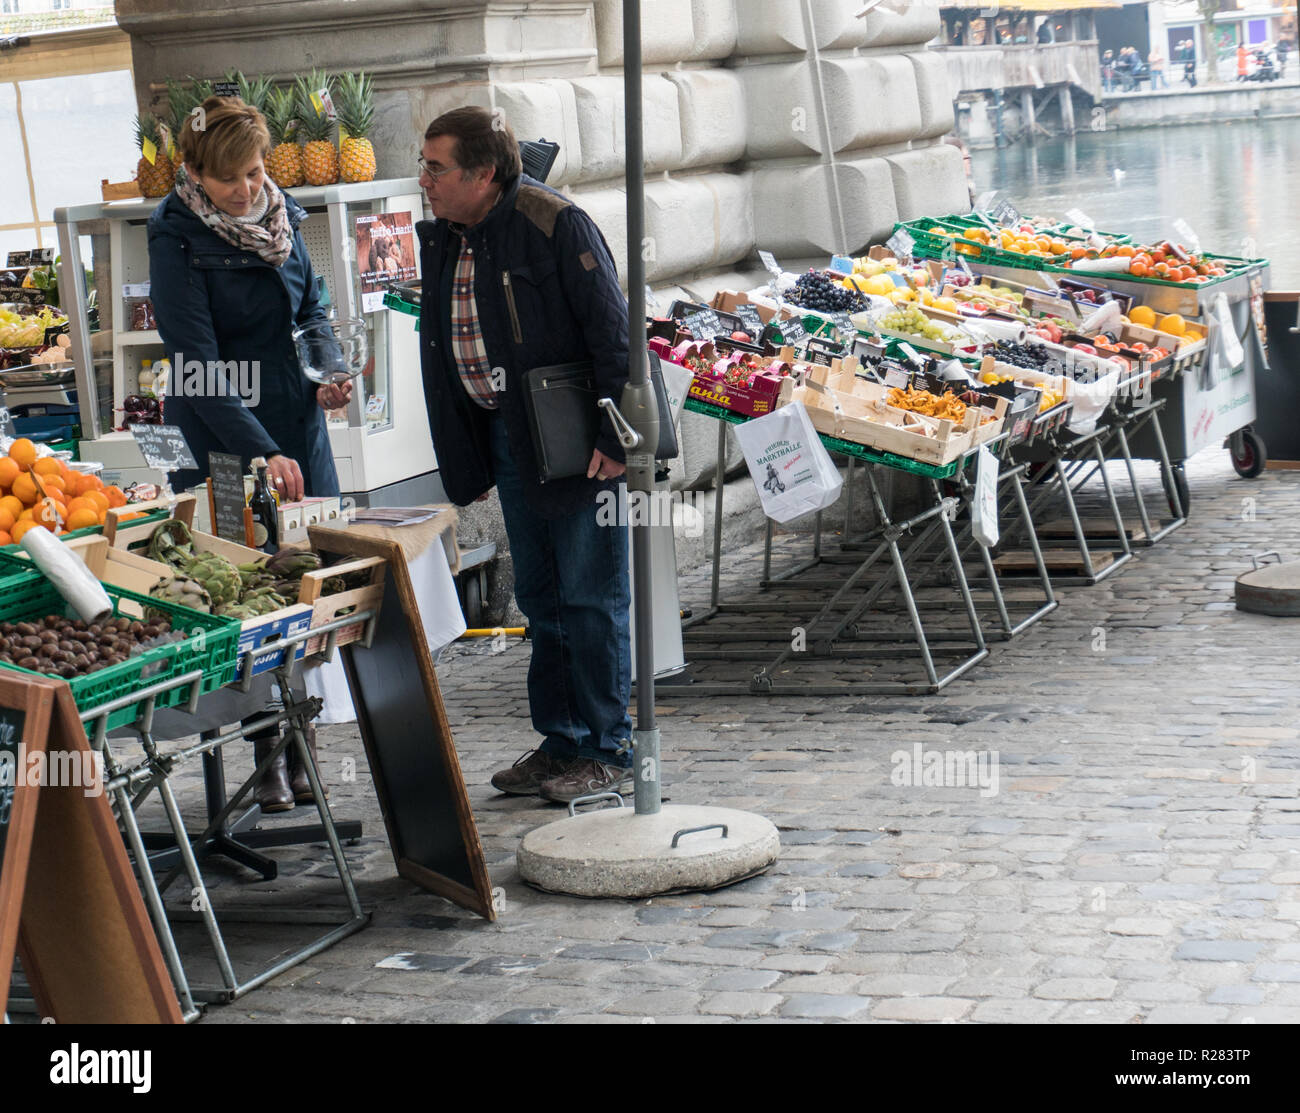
column 784, row 124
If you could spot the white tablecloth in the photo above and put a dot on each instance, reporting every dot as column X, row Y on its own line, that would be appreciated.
column 440, row 614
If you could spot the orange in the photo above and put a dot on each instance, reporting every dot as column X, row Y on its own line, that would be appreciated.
column 9, row 471
column 20, row 529
column 99, row 499
column 1078, row 252
column 23, row 453
column 82, row 503
column 134, row 514
column 50, row 513
column 13, row 504
column 1173, row 324
column 1138, row 270
column 25, row 489
column 115, row 496
column 5, row 538
column 52, row 483
column 46, row 465
column 1142, row 315
column 82, row 517
column 1126, row 250
column 6, row 519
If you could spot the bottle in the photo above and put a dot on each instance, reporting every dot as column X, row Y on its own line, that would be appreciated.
column 146, row 376
column 266, row 533
column 161, row 373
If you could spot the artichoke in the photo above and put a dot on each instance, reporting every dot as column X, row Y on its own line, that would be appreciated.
column 180, row 589
column 290, row 564
column 253, row 606
column 218, row 576
column 172, row 543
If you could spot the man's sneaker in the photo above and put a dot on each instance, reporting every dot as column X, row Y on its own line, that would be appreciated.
column 585, row 778
column 525, row 777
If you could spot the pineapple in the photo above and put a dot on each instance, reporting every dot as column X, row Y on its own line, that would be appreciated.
column 356, row 107
column 156, row 178
column 180, row 103
column 253, row 91
column 284, row 163
column 320, row 158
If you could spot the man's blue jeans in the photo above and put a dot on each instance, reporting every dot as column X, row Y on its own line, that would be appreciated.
column 571, row 581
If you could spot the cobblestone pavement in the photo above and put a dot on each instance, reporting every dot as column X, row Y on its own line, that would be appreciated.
column 1140, row 861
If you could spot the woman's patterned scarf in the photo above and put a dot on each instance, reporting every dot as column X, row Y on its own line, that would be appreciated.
column 271, row 237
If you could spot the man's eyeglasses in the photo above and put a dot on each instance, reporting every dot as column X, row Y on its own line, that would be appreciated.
column 433, row 175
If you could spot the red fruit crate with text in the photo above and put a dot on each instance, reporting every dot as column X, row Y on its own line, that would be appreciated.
column 741, row 382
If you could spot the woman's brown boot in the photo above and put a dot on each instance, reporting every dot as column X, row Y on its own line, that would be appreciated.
column 301, row 785
column 272, row 791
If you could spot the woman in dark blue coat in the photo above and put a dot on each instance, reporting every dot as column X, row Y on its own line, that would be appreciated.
column 230, row 279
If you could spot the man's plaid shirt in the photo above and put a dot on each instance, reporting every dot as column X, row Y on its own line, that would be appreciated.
column 467, row 335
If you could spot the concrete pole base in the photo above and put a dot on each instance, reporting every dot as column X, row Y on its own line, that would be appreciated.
column 616, row 853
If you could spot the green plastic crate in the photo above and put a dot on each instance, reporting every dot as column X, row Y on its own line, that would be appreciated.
column 210, row 646
column 929, row 245
column 1235, row 268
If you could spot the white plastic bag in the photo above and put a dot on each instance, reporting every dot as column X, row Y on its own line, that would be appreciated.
column 788, row 463
column 984, row 502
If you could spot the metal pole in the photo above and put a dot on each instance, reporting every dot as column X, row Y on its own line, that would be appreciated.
column 641, row 410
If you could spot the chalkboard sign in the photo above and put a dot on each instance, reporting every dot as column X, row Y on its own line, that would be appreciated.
column 845, row 324
column 407, row 738
column 792, row 331
column 163, row 447
column 750, row 319
column 901, row 244
column 704, row 325
column 225, row 88
column 1006, row 213
column 88, row 949
column 227, row 476
column 24, row 725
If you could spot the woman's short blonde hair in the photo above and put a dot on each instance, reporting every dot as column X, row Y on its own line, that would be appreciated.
column 222, row 136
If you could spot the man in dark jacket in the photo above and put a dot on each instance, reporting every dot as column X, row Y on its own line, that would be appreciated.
column 516, row 277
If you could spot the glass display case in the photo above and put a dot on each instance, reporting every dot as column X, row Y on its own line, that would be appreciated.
column 361, row 240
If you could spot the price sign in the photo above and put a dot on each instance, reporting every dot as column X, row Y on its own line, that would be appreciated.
column 1006, row 213
column 1079, row 219
column 1189, row 237
column 163, row 447
column 792, row 331
column 845, row 324
column 225, row 88
column 749, row 317
column 896, row 377
column 820, row 352
column 901, row 244
column 703, row 325
column 227, row 473
column 965, row 267
column 769, row 261
column 910, row 353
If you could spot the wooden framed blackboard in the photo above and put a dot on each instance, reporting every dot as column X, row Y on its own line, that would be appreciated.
column 407, row 737
column 24, row 725
column 88, row 949
column 226, row 494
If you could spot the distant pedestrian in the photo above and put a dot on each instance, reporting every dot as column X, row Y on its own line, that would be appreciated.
column 1156, row 60
column 1045, row 31
column 1282, row 50
column 1189, row 62
column 1241, row 62
column 1108, row 71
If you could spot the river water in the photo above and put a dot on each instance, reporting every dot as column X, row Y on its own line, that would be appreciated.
column 1232, row 182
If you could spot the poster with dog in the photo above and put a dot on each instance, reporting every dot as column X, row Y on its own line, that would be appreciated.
column 385, row 254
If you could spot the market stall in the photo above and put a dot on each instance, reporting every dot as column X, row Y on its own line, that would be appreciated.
column 1015, row 366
